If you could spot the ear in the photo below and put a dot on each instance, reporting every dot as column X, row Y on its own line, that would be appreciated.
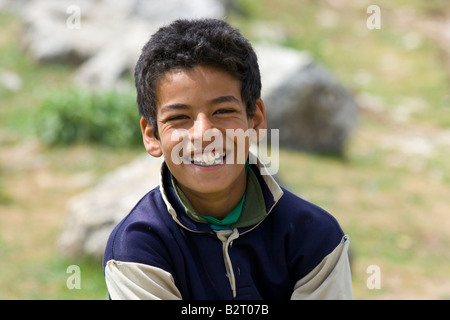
column 259, row 121
column 151, row 143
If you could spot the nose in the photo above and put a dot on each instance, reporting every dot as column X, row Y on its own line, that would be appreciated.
column 204, row 133
column 201, row 125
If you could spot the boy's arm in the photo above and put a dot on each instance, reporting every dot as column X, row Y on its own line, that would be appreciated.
column 129, row 280
column 330, row 279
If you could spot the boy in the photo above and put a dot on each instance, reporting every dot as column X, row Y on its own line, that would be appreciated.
column 217, row 227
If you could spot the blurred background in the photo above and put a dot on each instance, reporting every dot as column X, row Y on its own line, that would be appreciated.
column 68, row 118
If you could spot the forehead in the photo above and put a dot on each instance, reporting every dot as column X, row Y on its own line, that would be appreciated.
column 198, row 83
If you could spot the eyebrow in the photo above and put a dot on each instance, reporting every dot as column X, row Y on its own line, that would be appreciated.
column 175, row 106
column 223, row 99
column 182, row 106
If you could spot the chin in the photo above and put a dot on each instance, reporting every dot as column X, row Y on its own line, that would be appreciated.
column 207, row 180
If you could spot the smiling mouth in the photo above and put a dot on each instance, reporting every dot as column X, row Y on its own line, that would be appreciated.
column 208, row 159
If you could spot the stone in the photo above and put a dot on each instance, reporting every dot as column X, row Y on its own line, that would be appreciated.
column 48, row 37
column 10, row 80
column 102, row 37
column 311, row 109
column 93, row 214
column 107, row 69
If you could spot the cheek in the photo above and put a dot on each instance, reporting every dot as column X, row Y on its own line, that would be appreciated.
column 176, row 149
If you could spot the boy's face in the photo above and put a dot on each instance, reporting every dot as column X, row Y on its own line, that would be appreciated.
column 195, row 105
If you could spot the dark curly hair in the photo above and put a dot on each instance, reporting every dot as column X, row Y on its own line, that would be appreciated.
column 190, row 43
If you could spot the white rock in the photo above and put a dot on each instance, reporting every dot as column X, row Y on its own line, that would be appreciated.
column 93, row 214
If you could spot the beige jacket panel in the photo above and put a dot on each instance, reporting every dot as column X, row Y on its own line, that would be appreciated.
column 136, row 281
column 330, row 279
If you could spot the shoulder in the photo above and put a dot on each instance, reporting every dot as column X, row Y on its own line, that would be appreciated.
column 136, row 237
column 305, row 215
column 310, row 232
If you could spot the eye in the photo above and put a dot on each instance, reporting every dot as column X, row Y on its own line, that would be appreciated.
column 177, row 117
column 224, row 111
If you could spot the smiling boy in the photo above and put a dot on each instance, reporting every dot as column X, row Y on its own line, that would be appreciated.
column 217, row 227
column 200, row 99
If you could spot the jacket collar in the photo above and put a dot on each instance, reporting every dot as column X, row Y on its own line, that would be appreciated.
column 271, row 191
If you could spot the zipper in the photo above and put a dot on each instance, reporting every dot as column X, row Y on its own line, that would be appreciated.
column 227, row 237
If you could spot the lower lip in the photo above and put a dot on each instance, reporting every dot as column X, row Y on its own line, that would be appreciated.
column 208, row 168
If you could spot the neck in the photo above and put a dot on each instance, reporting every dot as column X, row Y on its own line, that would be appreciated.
column 217, row 204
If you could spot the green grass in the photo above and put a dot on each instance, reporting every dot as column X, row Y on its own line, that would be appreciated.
column 77, row 116
column 48, row 279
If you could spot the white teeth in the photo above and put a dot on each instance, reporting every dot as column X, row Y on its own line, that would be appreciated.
column 209, row 159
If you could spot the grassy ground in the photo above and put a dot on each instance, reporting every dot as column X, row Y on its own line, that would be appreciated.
column 390, row 193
